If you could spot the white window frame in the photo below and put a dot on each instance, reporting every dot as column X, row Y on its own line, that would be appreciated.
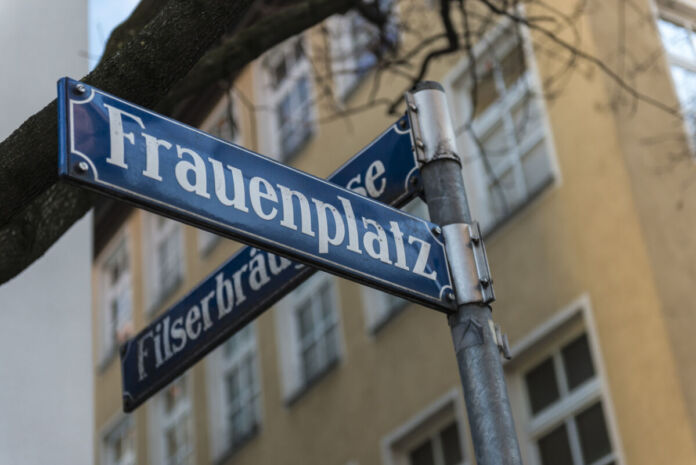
column 206, row 241
column 684, row 15
column 118, row 425
column 457, row 83
column 220, row 117
column 287, row 334
column 108, row 337
column 342, row 51
column 396, row 446
column 380, row 307
column 218, row 367
column 547, row 339
column 155, row 296
column 161, row 421
column 269, row 98
column 345, row 50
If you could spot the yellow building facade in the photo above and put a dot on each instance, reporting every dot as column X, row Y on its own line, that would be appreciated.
column 583, row 183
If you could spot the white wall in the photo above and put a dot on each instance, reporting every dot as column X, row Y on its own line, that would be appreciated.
column 45, row 334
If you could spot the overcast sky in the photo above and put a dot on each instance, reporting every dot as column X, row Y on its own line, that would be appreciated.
column 103, row 16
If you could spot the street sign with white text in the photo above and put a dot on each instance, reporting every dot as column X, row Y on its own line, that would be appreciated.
column 365, row 173
column 134, row 154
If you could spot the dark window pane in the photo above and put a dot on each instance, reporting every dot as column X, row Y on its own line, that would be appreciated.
column 327, row 311
column 306, row 320
column 422, row 455
column 280, row 70
column 232, row 382
column 451, row 449
column 513, row 65
column 331, row 345
column 299, row 50
column 486, row 92
column 541, row 385
column 578, row 362
column 554, row 448
column 593, row 433
column 310, row 362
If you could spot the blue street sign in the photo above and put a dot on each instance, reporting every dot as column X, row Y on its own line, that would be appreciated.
column 365, row 173
column 157, row 163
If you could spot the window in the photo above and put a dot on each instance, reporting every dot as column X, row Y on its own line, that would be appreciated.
column 308, row 333
column 206, row 241
column 173, row 435
column 356, row 46
column 433, row 437
column 289, row 93
column 164, row 257
column 317, row 329
column 506, row 144
column 118, row 447
column 442, row 447
column 380, row 307
column 679, row 39
column 235, row 392
column 225, row 127
column 559, row 395
column 117, row 307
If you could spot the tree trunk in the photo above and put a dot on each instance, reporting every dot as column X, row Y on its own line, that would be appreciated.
column 35, row 209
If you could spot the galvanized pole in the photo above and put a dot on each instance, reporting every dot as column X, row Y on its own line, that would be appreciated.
column 477, row 340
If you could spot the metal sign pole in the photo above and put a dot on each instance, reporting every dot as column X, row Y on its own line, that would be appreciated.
column 477, row 340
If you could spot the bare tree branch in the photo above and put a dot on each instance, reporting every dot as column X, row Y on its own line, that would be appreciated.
column 242, row 48
column 452, row 46
column 635, row 93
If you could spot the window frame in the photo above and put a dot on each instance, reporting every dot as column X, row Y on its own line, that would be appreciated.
column 108, row 338
column 546, row 340
column 218, row 367
column 294, row 382
column 525, row 89
column 160, row 421
column 428, row 422
column 206, row 242
column 673, row 16
column 345, row 53
column 682, row 15
column 270, row 97
column 116, row 424
column 154, row 294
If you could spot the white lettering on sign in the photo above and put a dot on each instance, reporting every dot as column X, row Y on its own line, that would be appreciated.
column 335, row 222
column 117, row 154
column 330, row 222
column 375, row 171
column 170, row 337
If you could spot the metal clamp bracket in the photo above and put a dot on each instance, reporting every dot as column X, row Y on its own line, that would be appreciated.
column 425, row 154
column 466, row 254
